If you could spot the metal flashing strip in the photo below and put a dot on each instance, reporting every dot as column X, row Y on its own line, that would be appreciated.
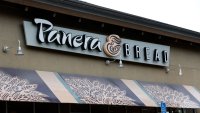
column 53, row 87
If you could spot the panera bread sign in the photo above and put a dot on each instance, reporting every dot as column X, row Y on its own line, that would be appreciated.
column 42, row 33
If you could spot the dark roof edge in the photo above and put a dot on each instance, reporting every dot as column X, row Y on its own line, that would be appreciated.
column 87, row 8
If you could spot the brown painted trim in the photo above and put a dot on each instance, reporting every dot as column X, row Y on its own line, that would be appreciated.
column 64, row 10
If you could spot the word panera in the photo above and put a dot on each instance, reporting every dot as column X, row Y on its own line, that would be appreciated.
column 61, row 38
column 43, row 34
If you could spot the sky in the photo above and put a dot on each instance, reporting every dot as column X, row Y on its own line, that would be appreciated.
column 181, row 13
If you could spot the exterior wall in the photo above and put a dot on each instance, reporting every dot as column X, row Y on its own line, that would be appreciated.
column 11, row 30
column 48, row 60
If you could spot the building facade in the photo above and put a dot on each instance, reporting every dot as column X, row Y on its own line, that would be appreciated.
column 67, row 40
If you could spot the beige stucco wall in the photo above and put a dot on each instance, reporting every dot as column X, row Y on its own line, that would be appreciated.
column 42, row 59
column 11, row 30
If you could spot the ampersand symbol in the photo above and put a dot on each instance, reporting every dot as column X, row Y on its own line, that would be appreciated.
column 112, row 46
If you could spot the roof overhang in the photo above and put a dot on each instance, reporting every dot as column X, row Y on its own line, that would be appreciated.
column 101, row 14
